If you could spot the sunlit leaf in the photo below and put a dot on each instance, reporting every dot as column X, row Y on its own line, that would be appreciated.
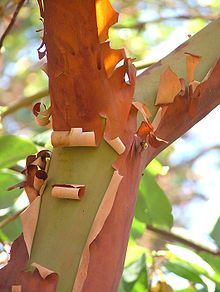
column 13, row 149
column 191, row 261
column 188, row 289
column 10, row 231
column 185, row 272
column 189, row 256
column 155, row 167
column 214, row 262
column 43, row 138
column 9, row 178
column 134, row 278
column 134, row 252
column 153, row 207
column 137, row 228
column 215, row 234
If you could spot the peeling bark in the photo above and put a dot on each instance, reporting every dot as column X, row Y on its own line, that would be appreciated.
column 90, row 94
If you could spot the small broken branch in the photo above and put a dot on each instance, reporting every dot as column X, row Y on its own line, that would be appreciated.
column 11, row 23
column 170, row 236
column 17, row 168
column 10, row 218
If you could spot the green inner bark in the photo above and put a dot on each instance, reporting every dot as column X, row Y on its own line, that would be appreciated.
column 64, row 225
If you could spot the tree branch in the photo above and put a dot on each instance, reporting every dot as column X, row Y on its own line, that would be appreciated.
column 24, row 102
column 197, row 156
column 177, row 119
column 141, row 25
column 11, row 23
column 205, row 43
column 170, row 236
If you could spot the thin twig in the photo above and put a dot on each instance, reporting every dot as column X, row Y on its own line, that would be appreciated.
column 141, row 25
column 17, row 168
column 9, row 27
column 189, row 162
column 10, row 218
column 24, row 102
column 176, row 238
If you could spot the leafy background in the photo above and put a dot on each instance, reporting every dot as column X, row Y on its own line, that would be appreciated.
column 175, row 238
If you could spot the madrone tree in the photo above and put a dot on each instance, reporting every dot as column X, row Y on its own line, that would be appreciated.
column 107, row 126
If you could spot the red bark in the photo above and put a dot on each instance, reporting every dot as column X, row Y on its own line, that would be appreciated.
column 15, row 274
column 81, row 93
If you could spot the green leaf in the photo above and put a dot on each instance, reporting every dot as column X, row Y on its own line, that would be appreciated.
column 141, row 283
column 214, row 262
column 185, row 272
column 188, row 289
column 137, row 229
column 9, row 178
column 132, row 271
column 43, row 138
column 13, row 149
column 153, row 207
column 215, row 234
column 134, row 252
column 10, row 231
column 155, row 167
column 191, row 260
column 134, row 278
column 3, row 237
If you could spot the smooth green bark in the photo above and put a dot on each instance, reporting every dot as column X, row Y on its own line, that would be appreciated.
column 64, row 224
column 205, row 43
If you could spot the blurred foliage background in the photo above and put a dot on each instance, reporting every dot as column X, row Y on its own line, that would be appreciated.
column 175, row 237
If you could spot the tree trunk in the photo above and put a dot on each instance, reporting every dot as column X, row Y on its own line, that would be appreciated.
column 84, row 241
